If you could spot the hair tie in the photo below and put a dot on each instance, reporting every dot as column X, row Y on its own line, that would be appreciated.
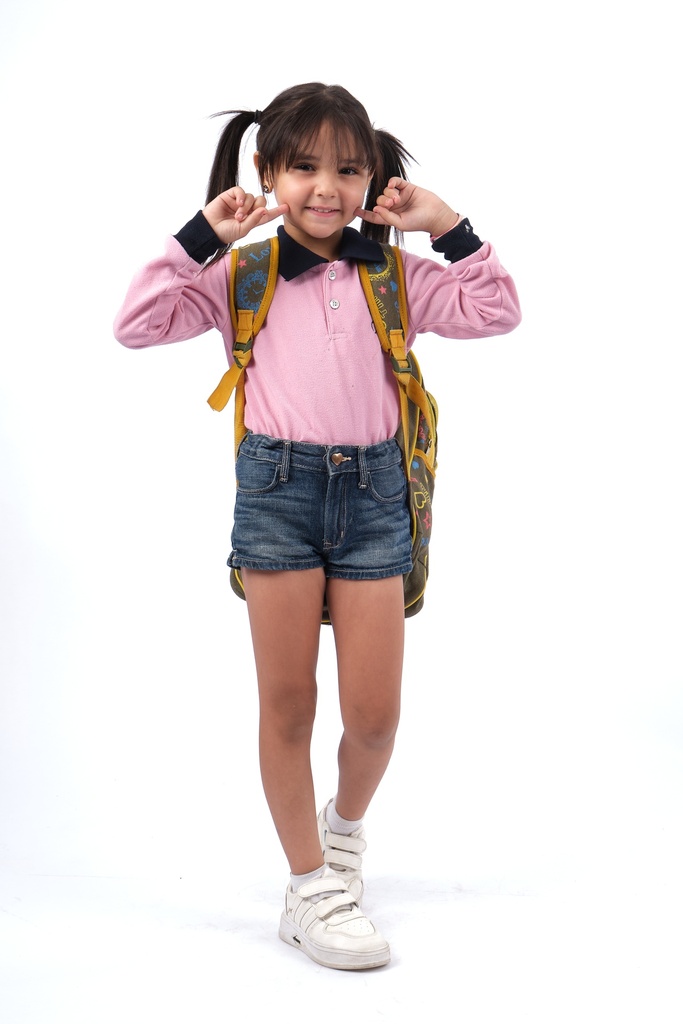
column 257, row 117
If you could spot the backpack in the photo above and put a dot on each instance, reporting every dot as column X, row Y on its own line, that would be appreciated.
column 252, row 283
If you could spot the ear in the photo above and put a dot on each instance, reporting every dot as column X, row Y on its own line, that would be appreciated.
column 256, row 165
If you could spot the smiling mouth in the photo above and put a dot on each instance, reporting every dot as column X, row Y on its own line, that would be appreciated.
column 322, row 209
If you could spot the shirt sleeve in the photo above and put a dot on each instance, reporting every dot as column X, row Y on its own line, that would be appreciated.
column 457, row 243
column 175, row 297
column 471, row 296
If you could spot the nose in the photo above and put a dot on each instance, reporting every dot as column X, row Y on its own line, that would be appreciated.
column 326, row 183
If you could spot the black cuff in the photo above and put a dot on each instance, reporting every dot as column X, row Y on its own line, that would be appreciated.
column 458, row 243
column 198, row 238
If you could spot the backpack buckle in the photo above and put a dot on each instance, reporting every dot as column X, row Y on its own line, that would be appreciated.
column 400, row 365
column 242, row 348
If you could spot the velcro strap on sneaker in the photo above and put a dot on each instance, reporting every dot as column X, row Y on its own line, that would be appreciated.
column 342, row 858
column 354, row 844
column 343, row 900
column 344, row 851
column 319, row 886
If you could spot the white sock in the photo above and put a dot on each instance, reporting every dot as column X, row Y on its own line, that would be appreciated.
column 299, row 880
column 342, row 826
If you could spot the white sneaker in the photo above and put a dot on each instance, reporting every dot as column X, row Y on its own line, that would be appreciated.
column 344, row 854
column 332, row 930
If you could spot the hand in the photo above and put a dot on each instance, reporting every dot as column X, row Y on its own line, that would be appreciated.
column 234, row 213
column 407, row 207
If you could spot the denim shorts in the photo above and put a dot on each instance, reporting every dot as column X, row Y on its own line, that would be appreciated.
column 304, row 506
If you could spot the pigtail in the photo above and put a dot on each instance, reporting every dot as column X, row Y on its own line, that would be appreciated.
column 391, row 163
column 225, row 169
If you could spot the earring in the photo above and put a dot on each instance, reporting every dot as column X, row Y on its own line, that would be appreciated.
column 266, row 190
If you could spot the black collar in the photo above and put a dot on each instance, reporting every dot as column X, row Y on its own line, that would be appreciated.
column 295, row 259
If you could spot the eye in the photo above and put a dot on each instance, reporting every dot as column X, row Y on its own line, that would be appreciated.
column 302, row 166
column 348, row 171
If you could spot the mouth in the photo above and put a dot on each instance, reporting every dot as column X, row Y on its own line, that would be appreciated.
column 322, row 210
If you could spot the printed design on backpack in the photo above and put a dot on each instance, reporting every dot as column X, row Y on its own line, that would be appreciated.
column 423, row 440
column 423, row 449
column 421, row 495
column 384, row 285
column 422, row 503
column 250, row 290
column 252, row 266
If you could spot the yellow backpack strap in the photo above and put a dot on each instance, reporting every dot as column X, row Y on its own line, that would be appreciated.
column 253, row 275
column 385, row 292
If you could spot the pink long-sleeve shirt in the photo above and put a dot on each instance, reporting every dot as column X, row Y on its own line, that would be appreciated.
column 318, row 373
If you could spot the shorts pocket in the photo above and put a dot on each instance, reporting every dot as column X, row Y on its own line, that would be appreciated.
column 256, row 475
column 388, row 484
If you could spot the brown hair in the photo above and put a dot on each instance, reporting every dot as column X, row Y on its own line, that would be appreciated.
column 290, row 122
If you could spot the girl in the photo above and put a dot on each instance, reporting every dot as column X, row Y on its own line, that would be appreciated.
column 304, row 531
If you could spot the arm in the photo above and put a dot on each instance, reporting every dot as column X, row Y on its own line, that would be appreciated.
column 473, row 296
column 173, row 298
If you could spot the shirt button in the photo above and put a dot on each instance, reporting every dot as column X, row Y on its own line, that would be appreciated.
column 334, row 303
column 332, row 274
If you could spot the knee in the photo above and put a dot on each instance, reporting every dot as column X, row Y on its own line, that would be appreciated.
column 289, row 711
column 373, row 731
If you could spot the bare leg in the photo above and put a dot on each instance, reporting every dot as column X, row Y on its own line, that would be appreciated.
column 284, row 614
column 368, row 622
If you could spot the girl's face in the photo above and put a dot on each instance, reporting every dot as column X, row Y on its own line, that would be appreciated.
column 322, row 192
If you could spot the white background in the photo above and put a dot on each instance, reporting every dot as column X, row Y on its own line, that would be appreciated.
column 525, row 846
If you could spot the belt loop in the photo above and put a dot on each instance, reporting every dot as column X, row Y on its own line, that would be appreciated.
column 286, row 455
column 362, row 466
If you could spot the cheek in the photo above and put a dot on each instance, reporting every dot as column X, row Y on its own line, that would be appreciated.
column 359, row 186
column 281, row 192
